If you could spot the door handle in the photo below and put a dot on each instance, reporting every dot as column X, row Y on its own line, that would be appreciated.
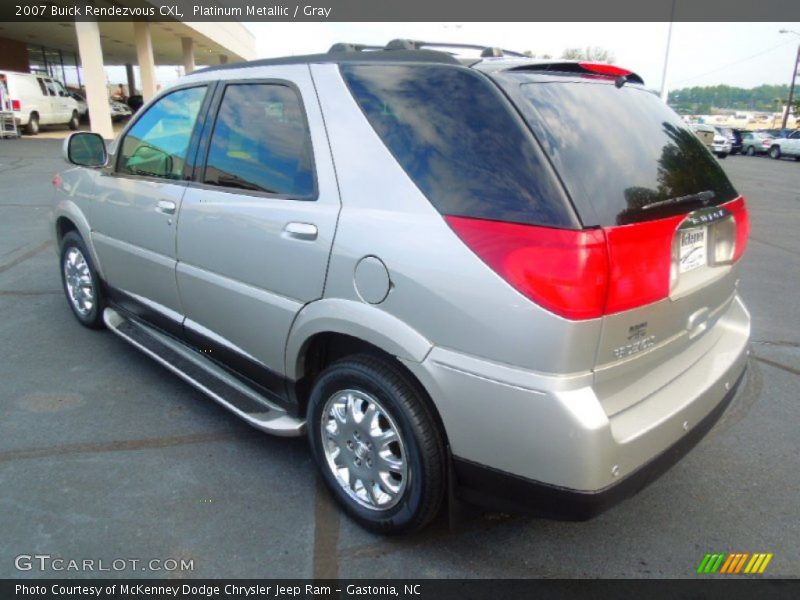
column 301, row 231
column 166, row 207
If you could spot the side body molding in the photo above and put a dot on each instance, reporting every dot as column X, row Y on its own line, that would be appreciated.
column 348, row 317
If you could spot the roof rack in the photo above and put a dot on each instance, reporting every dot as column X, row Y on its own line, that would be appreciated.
column 347, row 47
column 486, row 51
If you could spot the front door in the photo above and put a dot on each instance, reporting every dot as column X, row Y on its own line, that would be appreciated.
column 257, row 225
column 137, row 203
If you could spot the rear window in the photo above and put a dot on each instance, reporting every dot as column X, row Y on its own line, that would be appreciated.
column 459, row 141
column 619, row 149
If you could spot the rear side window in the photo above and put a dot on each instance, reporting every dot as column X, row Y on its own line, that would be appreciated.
column 619, row 150
column 261, row 142
column 157, row 143
column 457, row 139
column 42, row 86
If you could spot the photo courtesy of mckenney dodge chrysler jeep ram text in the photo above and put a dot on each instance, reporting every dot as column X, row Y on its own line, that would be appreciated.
column 502, row 280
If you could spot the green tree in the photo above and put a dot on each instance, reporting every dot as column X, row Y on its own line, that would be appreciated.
column 595, row 53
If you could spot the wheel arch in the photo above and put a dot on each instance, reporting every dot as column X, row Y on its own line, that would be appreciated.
column 67, row 216
column 330, row 329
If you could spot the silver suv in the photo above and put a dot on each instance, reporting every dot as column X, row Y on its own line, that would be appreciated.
column 495, row 280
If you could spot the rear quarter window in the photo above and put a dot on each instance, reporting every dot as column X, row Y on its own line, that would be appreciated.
column 458, row 139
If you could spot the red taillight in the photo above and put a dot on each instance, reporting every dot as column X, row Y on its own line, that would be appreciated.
column 605, row 69
column 56, row 180
column 15, row 105
column 740, row 214
column 562, row 270
column 641, row 257
column 585, row 273
column 766, row 142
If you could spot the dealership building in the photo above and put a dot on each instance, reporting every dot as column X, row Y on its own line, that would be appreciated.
column 83, row 49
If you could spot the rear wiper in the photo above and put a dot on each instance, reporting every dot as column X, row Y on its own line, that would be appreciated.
column 703, row 198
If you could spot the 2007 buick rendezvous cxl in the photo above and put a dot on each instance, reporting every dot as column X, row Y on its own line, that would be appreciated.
column 503, row 280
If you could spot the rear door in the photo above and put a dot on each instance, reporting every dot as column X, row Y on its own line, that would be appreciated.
column 793, row 144
column 257, row 224
column 673, row 223
column 136, row 204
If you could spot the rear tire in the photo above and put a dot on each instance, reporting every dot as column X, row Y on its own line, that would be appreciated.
column 377, row 444
column 775, row 152
column 32, row 128
column 82, row 285
column 750, row 151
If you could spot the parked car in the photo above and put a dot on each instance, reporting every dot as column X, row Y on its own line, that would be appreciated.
column 83, row 107
column 713, row 139
column 734, row 138
column 755, row 142
column 40, row 100
column 777, row 133
column 119, row 110
column 788, row 146
column 375, row 249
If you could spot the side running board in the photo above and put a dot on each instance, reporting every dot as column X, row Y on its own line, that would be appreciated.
column 206, row 376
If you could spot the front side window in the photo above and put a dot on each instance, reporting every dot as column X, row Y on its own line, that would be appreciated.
column 157, row 143
column 261, row 142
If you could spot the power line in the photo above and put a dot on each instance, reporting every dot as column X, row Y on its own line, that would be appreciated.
column 736, row 62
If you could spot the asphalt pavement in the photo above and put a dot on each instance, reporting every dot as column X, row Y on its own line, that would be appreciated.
column 104, row 455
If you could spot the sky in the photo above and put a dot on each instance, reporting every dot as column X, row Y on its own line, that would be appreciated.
column 738, row 54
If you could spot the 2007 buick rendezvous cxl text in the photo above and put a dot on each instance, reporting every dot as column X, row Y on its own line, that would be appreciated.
column 503, row 280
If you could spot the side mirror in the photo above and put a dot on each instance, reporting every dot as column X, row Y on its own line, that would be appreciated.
column 85, row 149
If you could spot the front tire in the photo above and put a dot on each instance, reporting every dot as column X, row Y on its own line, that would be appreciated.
column 377, row 444
column 750, row 151
column 82, row 285
column 75, row 121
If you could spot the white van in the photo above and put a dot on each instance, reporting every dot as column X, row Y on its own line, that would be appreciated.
column 39, row 100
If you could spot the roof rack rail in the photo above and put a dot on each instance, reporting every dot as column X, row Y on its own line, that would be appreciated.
column 348, row 47
column 486, row 51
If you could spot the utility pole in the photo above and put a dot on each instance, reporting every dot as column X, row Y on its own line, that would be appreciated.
column 791, row 84
column 664, row 90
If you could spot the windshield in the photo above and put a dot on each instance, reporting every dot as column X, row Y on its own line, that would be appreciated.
column 618, row 149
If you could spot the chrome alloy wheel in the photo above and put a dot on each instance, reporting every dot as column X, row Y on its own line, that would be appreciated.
column 78, row 279
column 364, row 449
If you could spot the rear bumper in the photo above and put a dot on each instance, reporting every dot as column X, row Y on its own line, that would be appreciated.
column 560, row 446
column 498, row 490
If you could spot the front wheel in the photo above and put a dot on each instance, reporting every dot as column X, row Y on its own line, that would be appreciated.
column 377, row 444
column 775, row 152
column 75, row 120
column 722, row 154
column 81, row 282
column 750, row 151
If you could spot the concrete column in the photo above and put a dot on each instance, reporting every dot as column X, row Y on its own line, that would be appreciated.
column 223, row 59
column 131, row 79
column 144, row 54
column 188, row 54
column 91, row 53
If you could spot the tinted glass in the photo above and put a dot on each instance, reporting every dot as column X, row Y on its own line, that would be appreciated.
column 456, row 137
column 42, row 86
column 157, row 143
column 261, row 142
column 619, row 149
